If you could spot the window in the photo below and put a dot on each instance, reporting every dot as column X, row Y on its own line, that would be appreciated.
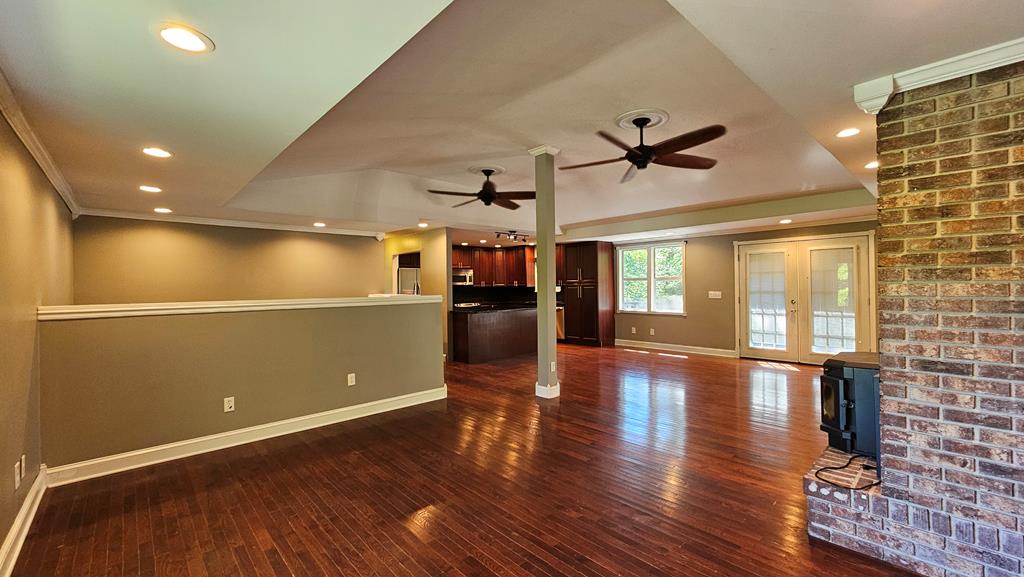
column 651, row 278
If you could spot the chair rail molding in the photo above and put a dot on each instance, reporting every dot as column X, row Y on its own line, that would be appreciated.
column 872, row 95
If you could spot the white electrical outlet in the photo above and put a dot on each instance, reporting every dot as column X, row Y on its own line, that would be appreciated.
column 17, row 475
column 23, row 468
column 552, row 366
column 351, row 379
column 229, row 404
column 633, row 330
column 714, row 294
column 652, row 332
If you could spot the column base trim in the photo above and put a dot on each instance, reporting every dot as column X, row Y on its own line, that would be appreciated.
column 551, row 392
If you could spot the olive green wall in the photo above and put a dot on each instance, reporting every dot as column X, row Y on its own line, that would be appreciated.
column 130, row 261
column 710, row 266
column 152, row 380
column 35, row 269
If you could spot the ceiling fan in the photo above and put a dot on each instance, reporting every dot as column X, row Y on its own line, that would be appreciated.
column 664, row 153
column 489, row 195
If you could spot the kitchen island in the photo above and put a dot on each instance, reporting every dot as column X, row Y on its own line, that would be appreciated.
column 489, row 332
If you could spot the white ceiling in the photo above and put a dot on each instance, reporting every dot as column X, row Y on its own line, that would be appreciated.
column 97, row 84
column 808, row 54
column 398, row 97
column 485, row 82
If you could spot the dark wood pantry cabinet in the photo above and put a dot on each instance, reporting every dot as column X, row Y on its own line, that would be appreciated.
column 588, row 292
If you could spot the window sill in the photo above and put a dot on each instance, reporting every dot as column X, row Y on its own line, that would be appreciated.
column 653, row 313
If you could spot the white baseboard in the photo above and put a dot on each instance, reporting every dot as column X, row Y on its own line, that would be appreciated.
column 22, row 521
column 98, row 467
column 678, row 348
column 551, row 392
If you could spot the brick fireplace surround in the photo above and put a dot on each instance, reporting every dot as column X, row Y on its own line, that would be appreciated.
column 951, row 318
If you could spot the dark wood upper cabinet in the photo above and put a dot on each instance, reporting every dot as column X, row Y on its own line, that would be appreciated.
column 588, row 293
column 507, row 266
column 559, row 264
column 409, row 260
column 483, row 267
column 500, row 267
column 462, row 257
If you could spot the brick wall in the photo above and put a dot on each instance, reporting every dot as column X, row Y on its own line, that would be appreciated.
column 951, row 311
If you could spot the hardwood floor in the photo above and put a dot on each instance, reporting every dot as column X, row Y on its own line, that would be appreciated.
column 648, row 464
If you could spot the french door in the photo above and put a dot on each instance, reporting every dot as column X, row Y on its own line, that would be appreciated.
column 805, row 300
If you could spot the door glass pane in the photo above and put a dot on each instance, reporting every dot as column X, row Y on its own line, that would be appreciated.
column 766, row 293
column 833, row 322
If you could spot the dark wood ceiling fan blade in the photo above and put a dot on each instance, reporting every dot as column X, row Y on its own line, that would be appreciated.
column 465, row 203
column 450, row 193
column 616, row 142
column 689, row 140
column 505, row 203
column 685, row 161
column 517, row 194
column 596, row 163
column 630, row 173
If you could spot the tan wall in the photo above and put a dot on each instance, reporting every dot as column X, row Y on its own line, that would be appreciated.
column 129, row 261
column 152, row 380
column 710, row 267
column 435, row 251
column 35, row 268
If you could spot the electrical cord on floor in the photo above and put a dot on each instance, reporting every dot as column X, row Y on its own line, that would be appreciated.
column 817, row 474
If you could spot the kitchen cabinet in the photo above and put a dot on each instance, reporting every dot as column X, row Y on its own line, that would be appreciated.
column 507, row 266
column 588, row 293
column 500, row 267
column 483, row 267
column 462, row 257
column 559, row 264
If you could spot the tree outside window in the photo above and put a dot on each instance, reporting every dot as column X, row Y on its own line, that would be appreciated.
column 651, row 278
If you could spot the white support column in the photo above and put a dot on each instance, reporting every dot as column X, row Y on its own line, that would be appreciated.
column 548, row 386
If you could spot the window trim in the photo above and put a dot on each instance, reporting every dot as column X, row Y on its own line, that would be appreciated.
column 651, row 278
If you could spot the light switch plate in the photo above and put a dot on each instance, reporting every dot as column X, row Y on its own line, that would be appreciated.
column 714, row 294
column 351, row 379
column 229, row 404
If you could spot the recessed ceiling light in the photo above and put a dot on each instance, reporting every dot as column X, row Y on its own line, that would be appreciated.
column 319, row 224
column 148, row 188
column 423, row 225
column 497, row 246
column 786, row 221
column 848, row 132
column 465, row 244
column 162, row 210
column 533, row 244
column 185, row 38
column 872, row 165
column 157, row 152
column 482, row 241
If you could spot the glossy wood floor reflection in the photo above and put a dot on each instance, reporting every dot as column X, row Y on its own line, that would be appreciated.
column 648, row 464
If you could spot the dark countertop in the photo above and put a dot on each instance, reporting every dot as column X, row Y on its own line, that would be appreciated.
column 495, row 308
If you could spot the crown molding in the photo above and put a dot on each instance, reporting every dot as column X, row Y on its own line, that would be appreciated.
column 544, row 149
column 225, row 222
column 871, row 96
column 16, row 118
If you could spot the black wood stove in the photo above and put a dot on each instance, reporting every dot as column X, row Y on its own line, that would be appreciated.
column 850, row 403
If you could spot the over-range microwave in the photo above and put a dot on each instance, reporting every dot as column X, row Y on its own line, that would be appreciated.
column 462, row 276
